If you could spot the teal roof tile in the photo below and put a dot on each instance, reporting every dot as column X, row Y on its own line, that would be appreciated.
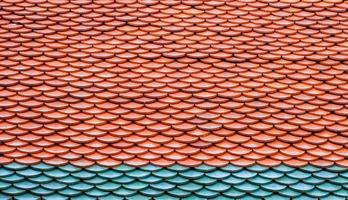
column 4, row 185
column 110, row 174
column 26, row 196
column 124, row 192
column 325, row 174
column 82, row 197
column 178, row 168
column 339, row 180
column 177, row 192
column 83, row 174
column 135, row 185
column 341, row 193
column 69, row 192
column 138, row 173
column 250, row 198
column 283, row 169
column 310, row 169
column 273, row 186
column 54, row 185
column 41, row 179
column 192, row 187
column 218, row 187
column 331, row 197
column 277, row 197
column 259, row 180
column 297, row 174
column 13, row 178
column 15, row 166
column 166, row 197
column 193, row 197
column 152, row 179
column 233, row 180
column 313, row 180
column 301, row 186
column 5, row 197
column 271, row 174
column 124, row 179
column 56, row 173
column 163, row 186
column 69, row 168
column 139, row 196
column 54, row 196
column 335, row 168
column 176, row 182
column 151, row 192
column 247, row 187
column 221, row 198
column 96, row 169
column 68, row 180
column 39, row 191
column 97, row 180
column 108, row 186
column 42, row 167
column 81, row 186
column 206, row 168
column 192, row 174
column 5, row 172
column 218, row 174
column 233, row 193
column 164, row 173
column 303, row 197
column 258, row 168
column 317, row 193
column 261, row 193
column 345, row 186
column 344, row 174
column 113, row 197
column 231, row 168
column 288, row 192
column 25, row 185
column 150, row 168
column 124, row 168
column 207, row 194
column 96, row 193
column 13, row 191
column 330, row 187
column 286, row 180
column 204, row 180
column 245, row 174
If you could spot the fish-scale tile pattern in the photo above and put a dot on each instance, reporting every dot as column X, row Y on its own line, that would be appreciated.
column 174, row 182
column 164, row 82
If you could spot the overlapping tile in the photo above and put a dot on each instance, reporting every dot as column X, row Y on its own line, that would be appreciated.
column 174, row 82
column 174, row 182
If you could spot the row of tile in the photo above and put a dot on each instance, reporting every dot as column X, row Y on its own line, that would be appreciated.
column 265, row 24
column 167, row 82
column 175, row 182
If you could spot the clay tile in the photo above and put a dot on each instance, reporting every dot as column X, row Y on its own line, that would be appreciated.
column 337, row 128
column 165, row 82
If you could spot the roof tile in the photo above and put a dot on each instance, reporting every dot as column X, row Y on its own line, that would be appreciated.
column 175, row 78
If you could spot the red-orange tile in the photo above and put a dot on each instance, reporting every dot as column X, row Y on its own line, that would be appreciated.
column 173, row 87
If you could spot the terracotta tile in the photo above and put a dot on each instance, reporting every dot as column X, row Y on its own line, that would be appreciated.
column 226, row 80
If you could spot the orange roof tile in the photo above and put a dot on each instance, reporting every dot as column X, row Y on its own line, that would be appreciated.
column 167, row 82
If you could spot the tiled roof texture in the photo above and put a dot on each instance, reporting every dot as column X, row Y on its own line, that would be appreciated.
column 175, row 182
column 174, row 82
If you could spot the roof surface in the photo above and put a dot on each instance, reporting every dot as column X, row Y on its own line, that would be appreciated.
column 170, row 82
column 173, row 183
column 243, row 99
